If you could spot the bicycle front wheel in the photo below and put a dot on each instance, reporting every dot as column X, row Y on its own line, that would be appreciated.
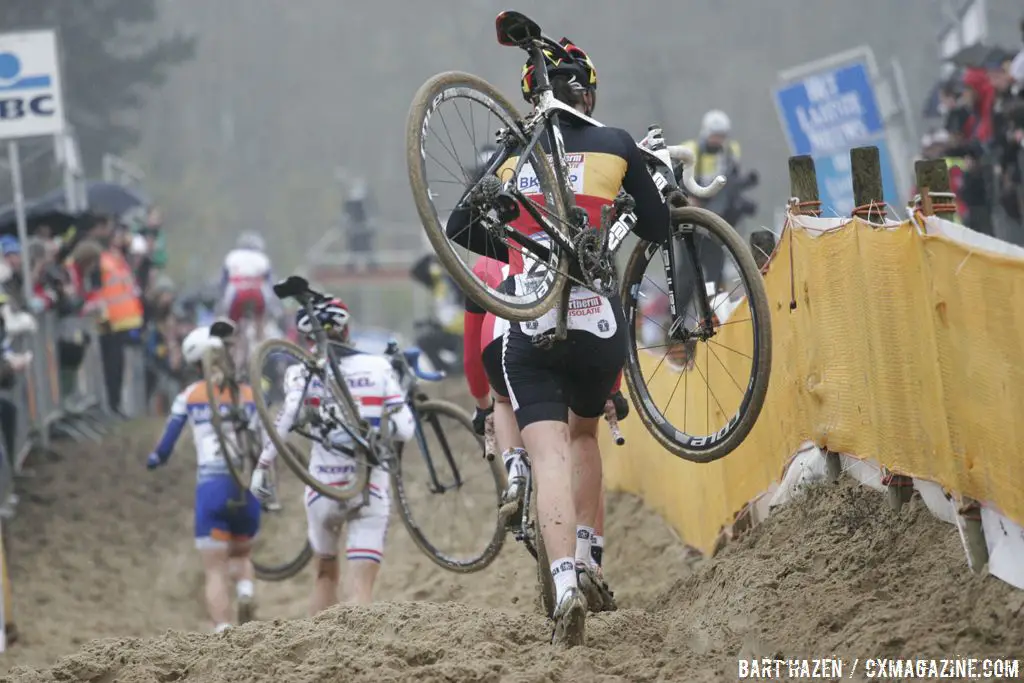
column 273, row 359
column 454, row 487
column 714, row 356
column 456, row 103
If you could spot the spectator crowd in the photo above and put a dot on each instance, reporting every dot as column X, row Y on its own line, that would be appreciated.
column 981, row 136
column 112, row 269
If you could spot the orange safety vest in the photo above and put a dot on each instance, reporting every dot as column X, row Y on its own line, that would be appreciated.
column 124, row 310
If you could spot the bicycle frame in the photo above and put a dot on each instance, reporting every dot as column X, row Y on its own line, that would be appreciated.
column 326, row 357
column 544, row 119
column 410, row 377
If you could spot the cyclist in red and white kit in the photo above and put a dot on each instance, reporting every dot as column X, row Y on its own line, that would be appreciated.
column 246, row 280
column 374, row 386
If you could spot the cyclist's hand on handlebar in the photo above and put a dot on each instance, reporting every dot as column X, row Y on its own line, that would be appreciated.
column 621, row 406
column 480, row 418
column 259, row 485
column 153, row 461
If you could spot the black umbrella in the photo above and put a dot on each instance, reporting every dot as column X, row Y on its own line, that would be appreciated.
column 113, row 199
column 971, row 56
column 980, row 55
column 37, row 214
column 102, row 197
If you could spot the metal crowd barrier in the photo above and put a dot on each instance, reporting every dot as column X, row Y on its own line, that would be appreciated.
column 133, row 386
column 52, row 401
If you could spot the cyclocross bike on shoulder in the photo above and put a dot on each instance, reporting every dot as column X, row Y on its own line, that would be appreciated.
column 238, row 437
column 567, row 248
column 436, row 421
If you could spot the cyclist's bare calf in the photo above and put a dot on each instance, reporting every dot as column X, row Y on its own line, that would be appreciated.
column 547, row 442
column 587, row 472
column 357, row 588
column 226, row 564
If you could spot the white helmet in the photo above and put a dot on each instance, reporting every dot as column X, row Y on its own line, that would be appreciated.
column 332, row 314
column 197, row 342
column 715, row 122
column 250, row 240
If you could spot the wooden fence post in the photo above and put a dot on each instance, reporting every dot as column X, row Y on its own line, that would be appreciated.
column 869, row 203
column 866, row 170
column 969, row 511
column 936, row 199
column 803, row 186
column 933, row 187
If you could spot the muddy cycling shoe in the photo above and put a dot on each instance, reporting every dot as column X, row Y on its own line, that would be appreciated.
column 600, row 598
column 246, row 609
column 570, row 620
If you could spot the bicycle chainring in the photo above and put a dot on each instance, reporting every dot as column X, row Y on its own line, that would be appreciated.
column 595, row 263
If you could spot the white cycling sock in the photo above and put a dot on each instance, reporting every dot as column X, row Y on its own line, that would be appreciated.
column 583, row 536
column 245, row 588
column 515, row 463
column 220, row 628
column 563, row 571
column 596, row 550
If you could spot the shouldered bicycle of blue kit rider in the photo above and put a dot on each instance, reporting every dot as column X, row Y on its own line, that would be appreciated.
column 224, row 526
column 376, row 390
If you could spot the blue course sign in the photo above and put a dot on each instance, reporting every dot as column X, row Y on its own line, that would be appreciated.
column 827, row 113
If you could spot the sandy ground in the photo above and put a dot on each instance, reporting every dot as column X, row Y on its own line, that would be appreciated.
column 102, row 549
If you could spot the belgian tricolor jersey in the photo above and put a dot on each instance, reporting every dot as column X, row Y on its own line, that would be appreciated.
column 600, row 161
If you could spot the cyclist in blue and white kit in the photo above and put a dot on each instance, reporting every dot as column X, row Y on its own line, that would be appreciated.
column 225, row 526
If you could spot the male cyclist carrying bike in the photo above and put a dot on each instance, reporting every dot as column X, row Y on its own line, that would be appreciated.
column 558, row 393
column 375, row 389
column 227, row 518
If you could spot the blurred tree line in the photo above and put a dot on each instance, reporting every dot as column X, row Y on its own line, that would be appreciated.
column 110, row 60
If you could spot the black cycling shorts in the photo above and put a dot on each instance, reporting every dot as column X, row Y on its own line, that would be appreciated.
column 491, row 357
column 576, row 374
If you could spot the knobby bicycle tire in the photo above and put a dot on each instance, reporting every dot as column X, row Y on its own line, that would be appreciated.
column 757, row 299
column 215, row 364
column 285, row 571
column 545, row 582
column 290, row 456
column 494, row 545
column 212, row 361
column 428, row 97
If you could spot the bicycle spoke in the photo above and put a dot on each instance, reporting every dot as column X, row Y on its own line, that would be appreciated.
column 723, row 389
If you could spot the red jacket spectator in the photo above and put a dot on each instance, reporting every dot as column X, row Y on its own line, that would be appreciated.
column 979, row 125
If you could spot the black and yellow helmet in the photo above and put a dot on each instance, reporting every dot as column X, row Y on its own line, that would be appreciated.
column 578, row 64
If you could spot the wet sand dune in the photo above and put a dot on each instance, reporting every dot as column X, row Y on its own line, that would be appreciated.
column 102, row 549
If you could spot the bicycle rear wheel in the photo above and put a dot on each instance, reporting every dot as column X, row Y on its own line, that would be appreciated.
column 240, row 448
column 452, row 463
column 437, row 196
column 725, row 350
column 268, row 355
